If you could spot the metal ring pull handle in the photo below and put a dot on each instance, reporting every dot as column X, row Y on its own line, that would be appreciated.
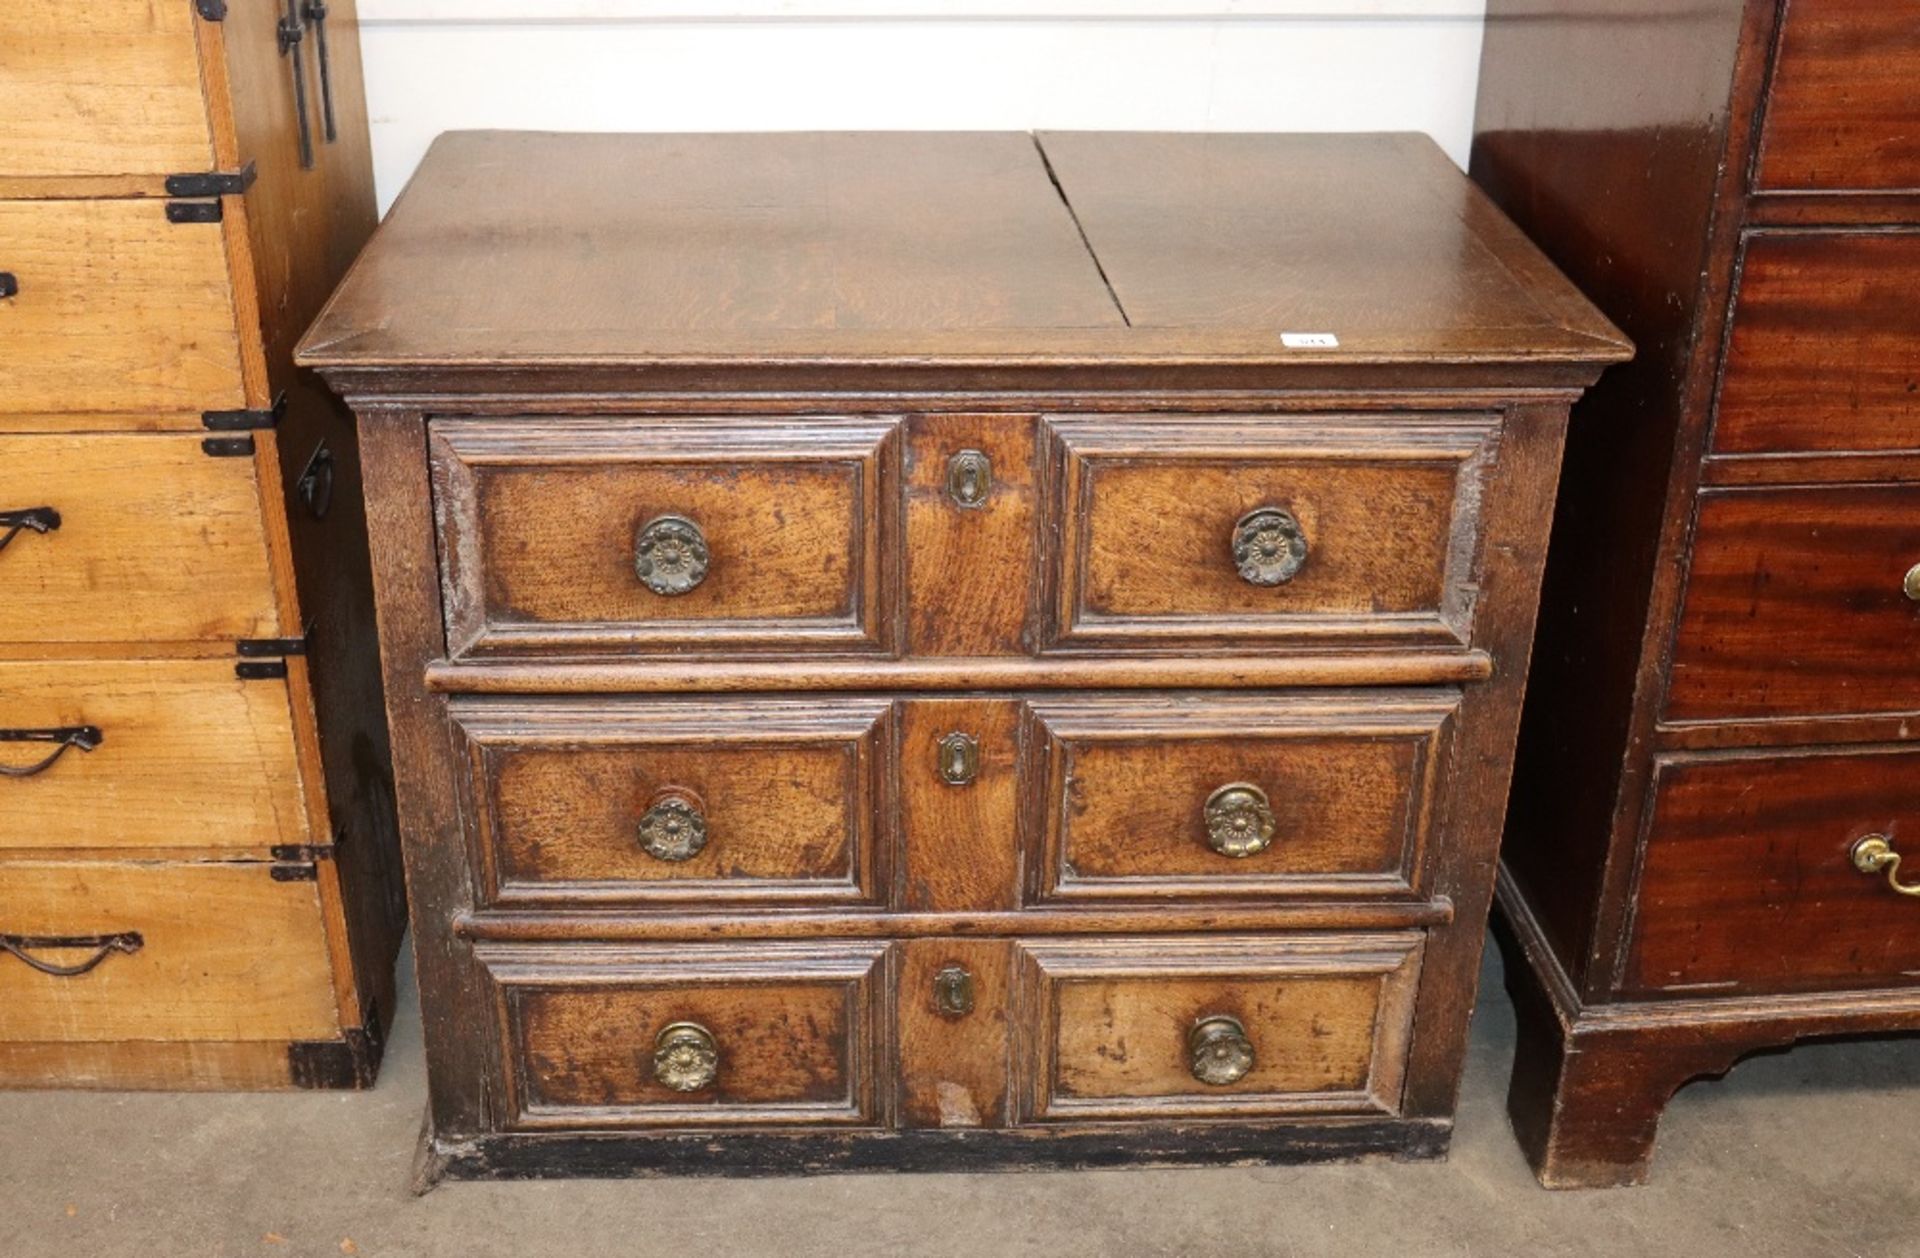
column 670, row 555
column 39, row 519
column 1874, row 854
column 1219, row 1050
column 85, row 737
column 104, row 946
column 1269, row 546
column 685, row 1057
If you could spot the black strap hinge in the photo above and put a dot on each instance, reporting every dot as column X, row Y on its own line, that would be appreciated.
column 212, row 183
column 227, row 447
column 193, row 211
column 260, row 670
column 239, row 420
column 303, row 853
column 294, row 872
column 211, row 10
column 262, row 648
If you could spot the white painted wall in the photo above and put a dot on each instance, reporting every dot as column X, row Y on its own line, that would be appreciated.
column 733, row 65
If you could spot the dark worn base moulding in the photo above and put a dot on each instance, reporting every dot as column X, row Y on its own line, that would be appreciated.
column 1590, row 1083
column 619, row 1156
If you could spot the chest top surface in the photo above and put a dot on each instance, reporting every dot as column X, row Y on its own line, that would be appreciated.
column 531, row 249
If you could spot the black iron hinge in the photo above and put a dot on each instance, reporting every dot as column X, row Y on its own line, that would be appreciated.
column 300, row 862
column 239, row 420
column 211, row 10
column 265, row 659
column 212, row 183
column 193, row 211
column 227, row 447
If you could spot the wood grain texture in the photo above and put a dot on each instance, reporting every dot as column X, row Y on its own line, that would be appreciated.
column 1146, row 510
column 539, row 523
column 954, row 249
column 1821, row 357
column 1328, row 1019
column 1795, row 605
column 118, row 310
column 1759, row 845
column 1118, row 791
column 98, row 91
column 228, row 953
column 960, row 845
column 954, row 1068
column 801, row 1030
column 1841, row 109
column 793, row 794
column 970, row 569
column 190, row 757
column 156, row 1065
column 156, row 542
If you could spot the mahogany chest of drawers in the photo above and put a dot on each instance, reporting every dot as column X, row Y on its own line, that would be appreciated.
column 959, row 650
column 1698, row 863
column 199, row 866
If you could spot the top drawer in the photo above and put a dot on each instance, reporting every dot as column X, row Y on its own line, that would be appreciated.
column 1844, row 111
column 651, row 535
column 1267, row 530
column 100, row 89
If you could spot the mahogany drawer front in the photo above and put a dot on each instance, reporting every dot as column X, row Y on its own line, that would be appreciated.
column 1826, row 334
column 644, row 802
column 183, row 754
column 1760, row 847
column 117, row 309
column 1840, row 113
column 1209, row 796
column 752, row 535
column 101, row 89
column 1286, row 1025
column 131, row 539
column 694, row 1035
column 1796, row 604
column 214, row 952
column 1264, row 530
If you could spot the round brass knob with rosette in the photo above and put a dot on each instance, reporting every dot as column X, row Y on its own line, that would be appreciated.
column 685, row 1057
column 673, row 829
column 1269, row 546
column 670, row 555
column 1239, row 820
column 1220, row 1051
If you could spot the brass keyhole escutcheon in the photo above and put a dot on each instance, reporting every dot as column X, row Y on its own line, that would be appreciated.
column 953, row 991
column 959, row 758
column 685, row 1057
column 1220, row 1050
column 670, row 555
column 969, row 478
column 674, row 829
column 1239, row 820
column 1269, row 546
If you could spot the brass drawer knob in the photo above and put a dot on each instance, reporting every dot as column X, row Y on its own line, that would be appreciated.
column 670, row 554
column 1220, row 1049
column 673, row 829
column 1239, row 820
column 1269, row 546
column 1911, row 586
column 685, row 1058
column 1874, row 854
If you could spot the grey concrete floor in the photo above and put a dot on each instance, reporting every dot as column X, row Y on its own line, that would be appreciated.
column 1802, row 1155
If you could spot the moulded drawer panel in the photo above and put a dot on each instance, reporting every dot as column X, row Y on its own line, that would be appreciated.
column 1841, row 112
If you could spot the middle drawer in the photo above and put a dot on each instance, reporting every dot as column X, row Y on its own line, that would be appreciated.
column 953, row 803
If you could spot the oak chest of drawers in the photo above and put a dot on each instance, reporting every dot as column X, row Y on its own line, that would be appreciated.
column 199, row 867
column 953, row 650
column 1699, row 866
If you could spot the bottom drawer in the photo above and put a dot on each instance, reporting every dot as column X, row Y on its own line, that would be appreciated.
column 218, row 952
column 1748, row 882
column 1155, row 1029
column 694, row 1035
